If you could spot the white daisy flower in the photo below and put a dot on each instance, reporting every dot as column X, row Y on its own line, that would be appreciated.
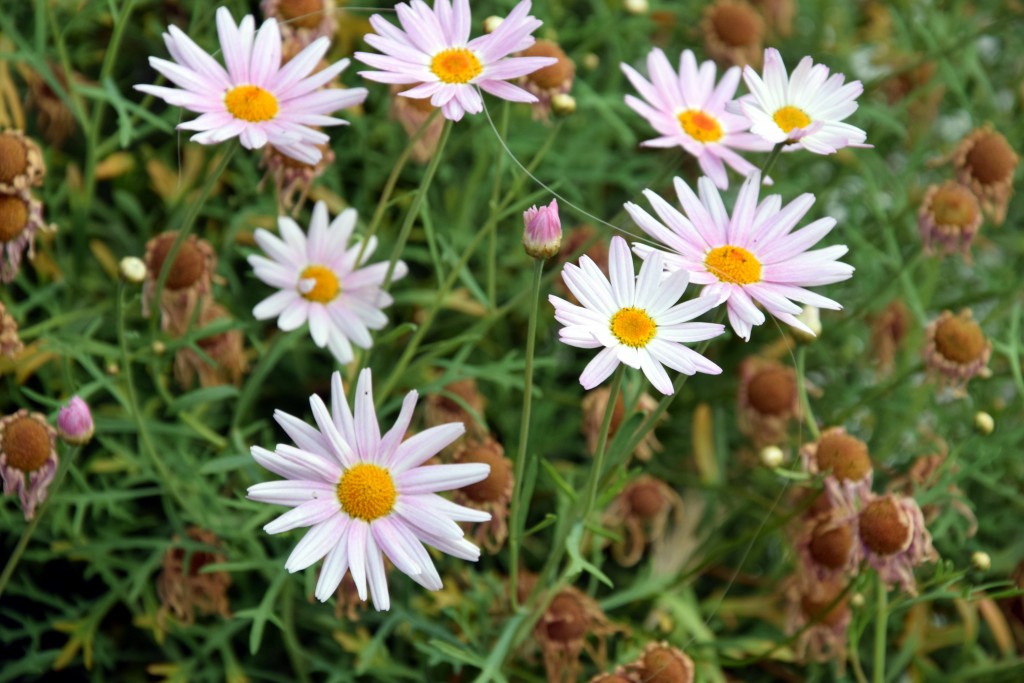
column 635, row 318
column 434, row 52
column 321, row 282
column 752, row 256
column 255, row 98
column 689, row 110
column 365, row 496
column 806, row 107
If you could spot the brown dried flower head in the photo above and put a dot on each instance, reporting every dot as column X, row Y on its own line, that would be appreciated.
column 662, row 663
column 10, row 342
column 894, row 538
column 550, row 81
column 303, row 21
column 733, row 33
column 594, row 404
column 21, row 217
column 53, row 116
column 957, row 349
column 460, row 401
column 949, row 217
column 226, row 350
column 883, row 528
column 985, row 162
column 28, row 458
column 767, row 400
column 292, row 176
column 21, row 161
column 491, row 495
column 645, row 510
column 820, row 612
column 185, row 589
column 189, row 277
column 843, row 456
column 565, row 631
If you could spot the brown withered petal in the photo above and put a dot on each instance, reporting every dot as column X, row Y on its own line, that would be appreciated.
column 184, row 590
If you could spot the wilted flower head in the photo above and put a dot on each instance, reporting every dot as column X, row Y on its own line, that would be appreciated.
column 662, row 663
column 986, row 163
column 303, row 21
column 751, row 256
column 225, row 360
column 184, row 588
column 894, row 538
column 845, row 461
column 53, row 116
column 254, row 98
column 433, row 51
column 74, row 421
column 566, row 629
column 189, row 277
column 688, row 109
column 10, row 342
column 291, row 175
column 768, row 400
column 827, row 545
column 542, row 231
column 733, row 32
column 950, row 216
column 21, row 216
column 550, row 81
column 492, row 495
column 594, row 404
column 820, row 613
column 644, row 513
column 21, row 161
column 459, row 401
column 320, row 281
column 957, row 349
column 28, row 458
column 364, row 495
column 806, row 108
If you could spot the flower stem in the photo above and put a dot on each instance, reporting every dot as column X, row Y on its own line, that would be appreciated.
column 518, row 505
column 417, row 202
column 602, row 443
column 772, row 158
column 881, row 624
column 26, row 535
column 801, row 387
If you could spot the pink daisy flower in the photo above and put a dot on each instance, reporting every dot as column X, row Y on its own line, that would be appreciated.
column 689, row 110
column 319, row 281
column 753, row 256
column 255, row 98
column 806, row 107
column 364, row 496
column 635, row 318
column 435, row 53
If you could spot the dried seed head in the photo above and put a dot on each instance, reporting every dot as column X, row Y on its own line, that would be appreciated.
column 664, row 664
column 955, row 205
column 10, row 342
column 830, row 545
column 991, row 159
column 555, row 75
column 189, row 263
column 815, row 605
column 960, row 339
column 645, row 498
column 13, row 157
column 26, row 443
column 736, row 24
column 14, row 216
column 566, row 620
column 844, row 456
column 498, row 482
column 772, row 391
column 302, row 13
column 884, row 528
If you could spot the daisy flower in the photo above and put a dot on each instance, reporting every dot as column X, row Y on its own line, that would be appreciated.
column 806, row 107
column 255, row 98
column 688, row 110
column 635, row 318
column 320, row 281
column 435, row 54
column 752, row 256
column 365, row 496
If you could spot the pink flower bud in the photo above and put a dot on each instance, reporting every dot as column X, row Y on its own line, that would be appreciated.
column 542, row 236
column 74, row 422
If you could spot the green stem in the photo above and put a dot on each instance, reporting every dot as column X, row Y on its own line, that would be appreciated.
column 881, row 630
column 26, row 535
column 492, row 247
column 186, row 228
column 602, row 444
column 772, row 158
column 518, row 505
column 801, row 387
column 417, row 202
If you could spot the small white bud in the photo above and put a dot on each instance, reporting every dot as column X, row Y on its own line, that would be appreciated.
column 772, row 456
column 132, row 269
column 984, row 423
column 811, row 317
column 492, row 23
column 636, row 6
column 563, row 104
column 981, row 561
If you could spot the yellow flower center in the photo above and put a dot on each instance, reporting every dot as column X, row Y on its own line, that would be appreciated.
column 456, row 65
column 251, row 103
column 325, row 284
column 633, row 327
column 790, row 117
column 700, row 126
column 367, row 492
column 732, row 264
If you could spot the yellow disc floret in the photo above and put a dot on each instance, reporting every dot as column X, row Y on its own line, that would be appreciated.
column 734, row 265
column 251, row 103
column 700, row 126
column 456, row 65
column 633, row 327
column 790, row 117
column 367, row 492
column 325, row 284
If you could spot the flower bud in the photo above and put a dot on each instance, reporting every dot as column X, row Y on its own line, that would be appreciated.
column 542, row 233
column 492, row 23
column 983, row 423
column 74, row 422
column 810, row 316
column 132, row 270
column 772, row 456
column 563, row 104
column 981, row 561
column 636, row 6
